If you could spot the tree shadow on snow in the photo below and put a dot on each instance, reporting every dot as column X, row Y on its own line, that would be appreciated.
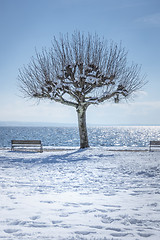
column 71, row 156
column 31, row 157
column 67, row 157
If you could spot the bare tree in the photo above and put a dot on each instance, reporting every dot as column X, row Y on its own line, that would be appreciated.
column 81, row 71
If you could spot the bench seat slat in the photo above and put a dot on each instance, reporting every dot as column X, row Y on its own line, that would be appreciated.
column 26, row 143
column 154, row 144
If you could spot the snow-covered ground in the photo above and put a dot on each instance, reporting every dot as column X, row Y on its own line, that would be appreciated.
column 80, row 194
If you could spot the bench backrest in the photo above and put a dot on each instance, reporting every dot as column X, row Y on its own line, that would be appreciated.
column 26, row 141
column 154, row 142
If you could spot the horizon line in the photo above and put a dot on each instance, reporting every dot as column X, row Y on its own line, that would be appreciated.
column 54, row 124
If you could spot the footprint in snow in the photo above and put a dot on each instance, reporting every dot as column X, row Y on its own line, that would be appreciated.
column 86, row 204
column 113, row 229
column 34, row 217
column 83, row 232
column 119, row 234
column 96, row 227
column 56, row 222
column 63, row 215
column 145, row 234
column 18, row 222
column 10, row 230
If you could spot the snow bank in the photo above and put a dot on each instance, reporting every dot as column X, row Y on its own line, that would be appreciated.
column 80, row 194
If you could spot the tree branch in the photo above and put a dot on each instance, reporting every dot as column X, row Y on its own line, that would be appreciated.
column 87, row 70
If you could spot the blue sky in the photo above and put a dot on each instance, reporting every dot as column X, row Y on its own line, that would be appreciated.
column 29, row 24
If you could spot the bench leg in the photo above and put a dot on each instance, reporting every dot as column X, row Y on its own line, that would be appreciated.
column 41, row 149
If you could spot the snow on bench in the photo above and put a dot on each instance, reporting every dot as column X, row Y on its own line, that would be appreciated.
column 154, row 144
column 24, row 144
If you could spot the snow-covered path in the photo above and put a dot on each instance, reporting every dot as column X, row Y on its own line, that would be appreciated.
column 90, row 194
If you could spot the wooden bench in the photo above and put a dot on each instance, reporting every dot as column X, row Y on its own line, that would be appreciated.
column 154, row 144
column 26, row 144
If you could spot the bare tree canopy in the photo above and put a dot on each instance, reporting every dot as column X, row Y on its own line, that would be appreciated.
column 80, row 71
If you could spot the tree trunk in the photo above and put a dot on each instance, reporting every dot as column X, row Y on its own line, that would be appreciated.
column 81, row 111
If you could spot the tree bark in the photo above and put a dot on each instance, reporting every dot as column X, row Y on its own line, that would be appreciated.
column 81, row 112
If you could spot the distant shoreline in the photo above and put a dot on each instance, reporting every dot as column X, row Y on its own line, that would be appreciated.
column 50, row 124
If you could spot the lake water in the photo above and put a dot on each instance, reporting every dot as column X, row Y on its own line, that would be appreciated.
column 68, row 136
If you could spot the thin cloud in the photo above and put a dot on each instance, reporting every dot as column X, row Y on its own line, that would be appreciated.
column 150, row 20
column 141, row 105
